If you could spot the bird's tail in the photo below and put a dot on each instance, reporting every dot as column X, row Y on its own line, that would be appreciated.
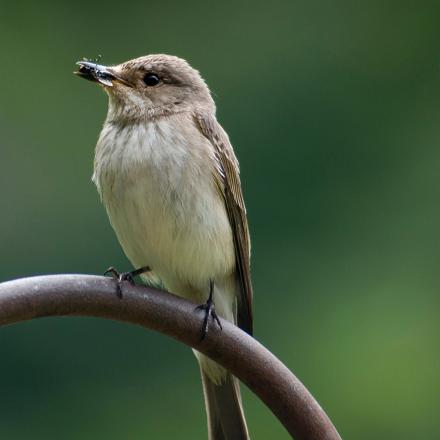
column 224, row 409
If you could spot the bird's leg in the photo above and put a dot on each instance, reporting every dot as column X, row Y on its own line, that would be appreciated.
column 209, row 310
column 125, row 276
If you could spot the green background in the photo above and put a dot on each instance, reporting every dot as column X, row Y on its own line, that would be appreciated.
column 333, row 109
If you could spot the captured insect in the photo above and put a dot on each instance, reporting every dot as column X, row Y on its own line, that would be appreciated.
column 91, row 70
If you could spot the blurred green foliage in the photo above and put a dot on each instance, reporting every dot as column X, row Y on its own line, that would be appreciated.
column 333, row 109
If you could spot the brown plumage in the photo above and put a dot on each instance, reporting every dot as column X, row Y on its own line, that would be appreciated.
column 169, row 180
column 228, row 181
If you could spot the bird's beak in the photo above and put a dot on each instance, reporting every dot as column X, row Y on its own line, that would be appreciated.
column 100, row 74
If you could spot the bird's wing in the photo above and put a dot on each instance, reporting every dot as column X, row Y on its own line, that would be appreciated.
column 227, row 176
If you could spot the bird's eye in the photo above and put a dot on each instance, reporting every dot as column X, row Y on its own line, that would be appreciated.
column 151, row 79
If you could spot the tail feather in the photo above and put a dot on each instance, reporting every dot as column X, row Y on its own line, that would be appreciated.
column 224, row 409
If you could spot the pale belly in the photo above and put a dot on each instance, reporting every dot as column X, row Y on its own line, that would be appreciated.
column 163, row 204
column 168, row 215
column 186, row 237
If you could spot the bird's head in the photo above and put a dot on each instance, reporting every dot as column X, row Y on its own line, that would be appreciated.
column 149, row 86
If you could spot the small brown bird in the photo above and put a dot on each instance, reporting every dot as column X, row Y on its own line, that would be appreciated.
column 169, row 180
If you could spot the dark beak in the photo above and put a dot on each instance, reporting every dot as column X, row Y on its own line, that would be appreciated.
column 98, row 73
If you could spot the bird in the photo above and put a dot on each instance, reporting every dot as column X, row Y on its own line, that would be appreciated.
column 169, row 179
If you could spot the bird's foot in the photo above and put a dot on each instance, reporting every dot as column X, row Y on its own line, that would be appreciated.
column 209, row 310
column 120, row 277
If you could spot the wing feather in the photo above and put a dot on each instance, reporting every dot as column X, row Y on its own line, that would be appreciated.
column 227, row 176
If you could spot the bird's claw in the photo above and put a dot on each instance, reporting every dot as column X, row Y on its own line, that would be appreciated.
column 120, row 277
column 125, row 276
column 209, row 310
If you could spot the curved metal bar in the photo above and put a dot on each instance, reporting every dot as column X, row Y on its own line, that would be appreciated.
column 245, row 357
